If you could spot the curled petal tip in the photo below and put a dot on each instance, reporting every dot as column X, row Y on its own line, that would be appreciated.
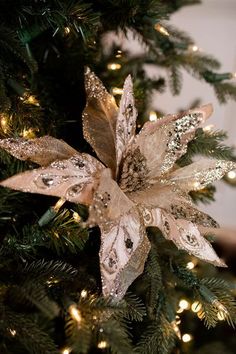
column 207, row 110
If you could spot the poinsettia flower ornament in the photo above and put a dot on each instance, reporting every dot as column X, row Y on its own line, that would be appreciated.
column 136, row 184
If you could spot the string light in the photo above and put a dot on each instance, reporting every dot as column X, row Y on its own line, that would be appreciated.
column 184, row 304
column 193, row 48
column 196, row 185
column 152, row 116
column 13, row 332
column 187, row 337
column 119, row 54
column 28, row 133
column 161, row 29
column 66, row 30
column 196, row 306
column 75, row 313
column 221, row 316
column 190, row 265
column 208, row 128
column 220, row 307
column 176, row 329
column 59, row 204
column 30, row 100
column 76, row 217
column 4, row 122
column 66, row 351
column 113, row 66
column 83, row 293
column 233, row 75
column 231, row 174
column 117, row 91
column 102, row 344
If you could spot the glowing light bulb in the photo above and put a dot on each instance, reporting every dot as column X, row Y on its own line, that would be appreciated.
column 184, row 304
column 117, row 91
column 31, row 100
column 83, row 293
column 4, row 122
column 102, row 344
column 208, row 128
column 66, row 351
column 59, row 204
column 196, row 185
column 190, row 265
column 193, row 48
column 161, row 29
column 75, row 313
column 221, row 316
column 187, row 337
column 152, row 116
column 13, row 332
column 76, row 217
column 113, row 66
column 176, row 329
column 196, row 306
column 231, row 174
column 28, row 133
column 66, row 30
column 234, row 75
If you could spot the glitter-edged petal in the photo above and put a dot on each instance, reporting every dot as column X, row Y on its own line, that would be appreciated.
column 173, row 201
column 124, row 250
column 42, row 150
column 200, row 174
column 126, row 120
column 183, row 233
column 74, row 179
column 99, row 120
column 165, row 141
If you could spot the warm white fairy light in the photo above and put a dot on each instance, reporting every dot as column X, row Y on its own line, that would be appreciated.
column 176, row 329
column 59, row 204
column 231, row 174
column 83, row 293
column 190, row 265
column 31, row 100
column 184, row 304
column 186, row 337
column 193, row 48
column 66, row 30
column 76, row 217
column 221, row 316
column 220, row 307
column 75, row 313
column 161, row 29
column 4, row 122
column 13, row 332
column 113, row 66
column 196, row 306
column 152, row 116
column 66, row 351
column 117, row 91
column 234, row 75
column 28, row 133
column 208, row 128
column 196, row 185
column 102, row 344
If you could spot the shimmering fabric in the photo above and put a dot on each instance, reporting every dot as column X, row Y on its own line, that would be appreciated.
column 140, row 184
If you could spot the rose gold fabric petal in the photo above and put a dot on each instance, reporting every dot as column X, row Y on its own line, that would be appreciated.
column 165, row 141
column 74, row 179
column 99, row 120
column 42, row 150
column 126, row 120
column 124, row 250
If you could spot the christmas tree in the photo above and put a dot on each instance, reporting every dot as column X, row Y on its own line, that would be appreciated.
column 102, row 246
